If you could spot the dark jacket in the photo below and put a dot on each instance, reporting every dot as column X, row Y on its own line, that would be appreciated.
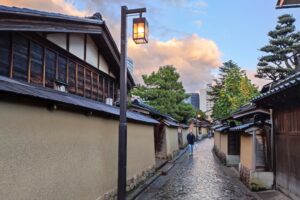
column 190, row 138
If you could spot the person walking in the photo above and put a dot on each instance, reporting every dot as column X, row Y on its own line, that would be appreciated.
column 191, row 140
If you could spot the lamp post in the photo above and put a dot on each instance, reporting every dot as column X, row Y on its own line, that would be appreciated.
column 198, row 118
column 140, row 36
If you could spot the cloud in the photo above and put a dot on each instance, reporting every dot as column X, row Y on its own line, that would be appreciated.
column 257, row 81
column 193, row 57
column 198, row 23
column 200, row 4
column 58, row 6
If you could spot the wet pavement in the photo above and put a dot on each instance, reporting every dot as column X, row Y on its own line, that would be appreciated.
column 198, row 177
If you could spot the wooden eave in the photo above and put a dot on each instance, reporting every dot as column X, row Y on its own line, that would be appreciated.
column 251, row 112
column 286, row 98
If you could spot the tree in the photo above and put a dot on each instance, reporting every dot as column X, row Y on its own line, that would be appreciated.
column 215, row 89
column 282, row 51
column 165, row 92
column 233, row 91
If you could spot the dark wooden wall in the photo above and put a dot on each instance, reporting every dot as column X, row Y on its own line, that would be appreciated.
column 32, row 58
column 234, row 141
column 287, row 135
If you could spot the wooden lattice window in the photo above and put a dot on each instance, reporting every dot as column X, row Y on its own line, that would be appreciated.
column 116, row 91
column 111, row 88
column 88, row 84
column 20, row 57
column 62, row 69
column 80, row 80
column 95, row 86
column 36, row 66
column 106, row 86
column 100, row 87
column 72, row 77
column 50, row 68
column 5, row 47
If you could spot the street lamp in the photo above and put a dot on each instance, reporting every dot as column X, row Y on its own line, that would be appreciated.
column 140, row 27
column 140, row 30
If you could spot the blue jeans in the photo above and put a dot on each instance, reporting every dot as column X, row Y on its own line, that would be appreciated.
column 191, row 146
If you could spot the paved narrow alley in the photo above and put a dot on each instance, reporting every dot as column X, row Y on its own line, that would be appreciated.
column 198, row 177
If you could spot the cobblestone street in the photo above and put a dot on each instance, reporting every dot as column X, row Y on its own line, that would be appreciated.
column 198, row 177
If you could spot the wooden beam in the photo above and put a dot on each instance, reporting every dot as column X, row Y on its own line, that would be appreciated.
column 84, row 81
column 68, row 42
column 67, row 70
column 76, row 77
column 98, row 60
column 11, row 54
column 85, row 41
column 92, row 86
column 97, row 87
column 44, row 66
column 29, row 61
column 56, row 67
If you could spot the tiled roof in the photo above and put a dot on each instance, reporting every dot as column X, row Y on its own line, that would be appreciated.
column 242, row 127
column 281, row 85
column 23, row 89
column 244, row 108
column 216, row 126
column 37, row 13
column 184, row 126
column 223, row 128
column 171, row 123
column 152, row 110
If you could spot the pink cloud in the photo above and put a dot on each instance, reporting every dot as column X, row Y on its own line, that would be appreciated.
column 257, row 81
column 193, row 57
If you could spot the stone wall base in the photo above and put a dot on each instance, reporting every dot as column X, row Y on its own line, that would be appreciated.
column 220, row 155
column 163, row 155
column 244, row 175
column 232, row 160
column 256, row 180
column 131, row 183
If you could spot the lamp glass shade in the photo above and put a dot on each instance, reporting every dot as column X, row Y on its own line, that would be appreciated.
column 140, row 30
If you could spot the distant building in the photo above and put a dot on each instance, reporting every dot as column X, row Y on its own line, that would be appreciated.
column 205, row 104
column 130, row 65
column 194, row 100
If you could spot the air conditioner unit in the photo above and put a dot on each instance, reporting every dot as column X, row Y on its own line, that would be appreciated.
column 60, row 86
column 109, row 101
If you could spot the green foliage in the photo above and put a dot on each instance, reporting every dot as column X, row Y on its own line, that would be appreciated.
column 233, row 89
column 282, row 51
column 165, row 92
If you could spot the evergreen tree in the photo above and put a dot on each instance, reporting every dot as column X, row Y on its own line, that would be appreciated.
column 234, row 90
column 165, row 92
column 282, row 51
column 214, row 91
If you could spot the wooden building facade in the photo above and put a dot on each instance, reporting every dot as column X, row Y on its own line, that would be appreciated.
column 284, row 100
column 72, row 54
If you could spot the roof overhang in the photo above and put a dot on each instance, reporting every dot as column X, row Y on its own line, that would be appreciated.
column 251, row 112
column 287, row 4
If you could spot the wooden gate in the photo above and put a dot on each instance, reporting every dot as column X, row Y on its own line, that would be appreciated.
column 234, row 140
column 287, row 132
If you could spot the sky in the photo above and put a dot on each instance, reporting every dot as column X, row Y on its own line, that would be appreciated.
column 195, row 36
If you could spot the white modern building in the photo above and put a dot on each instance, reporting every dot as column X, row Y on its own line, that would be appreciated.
column 205, row 104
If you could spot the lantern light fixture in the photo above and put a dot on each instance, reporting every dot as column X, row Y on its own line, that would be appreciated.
column 140, row 30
